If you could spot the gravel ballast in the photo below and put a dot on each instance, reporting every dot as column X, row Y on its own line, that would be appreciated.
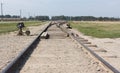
column 60, row 54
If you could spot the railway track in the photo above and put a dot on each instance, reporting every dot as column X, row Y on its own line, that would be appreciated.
column 21, row 58
column 86, row 46
column 58, row 54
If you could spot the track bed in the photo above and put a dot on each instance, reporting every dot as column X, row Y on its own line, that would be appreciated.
column 60, row 54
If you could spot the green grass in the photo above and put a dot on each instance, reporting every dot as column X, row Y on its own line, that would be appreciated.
column 6, row 27
column 98, row 29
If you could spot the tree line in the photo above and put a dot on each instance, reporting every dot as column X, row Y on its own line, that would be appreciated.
column 39, row 18
column 84, row 18
column 9, row 16
column 13, row 17
column 62, row 17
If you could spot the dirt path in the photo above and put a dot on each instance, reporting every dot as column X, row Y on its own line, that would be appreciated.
column 60, row 54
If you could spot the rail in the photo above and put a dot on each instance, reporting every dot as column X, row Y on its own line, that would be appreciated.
column 109, row 66
column 11, row 67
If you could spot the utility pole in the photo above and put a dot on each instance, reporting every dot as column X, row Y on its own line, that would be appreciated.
column 70, row 18
column 28, row 14
column 20, row 14
column 1, row 11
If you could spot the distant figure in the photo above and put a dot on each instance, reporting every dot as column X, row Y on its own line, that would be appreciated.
column 20, row 26
column 68, row 26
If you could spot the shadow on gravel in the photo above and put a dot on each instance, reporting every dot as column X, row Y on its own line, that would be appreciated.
column 25, row 57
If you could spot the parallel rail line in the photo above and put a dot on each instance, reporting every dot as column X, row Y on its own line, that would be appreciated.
column 11, row 68
column 100, row 59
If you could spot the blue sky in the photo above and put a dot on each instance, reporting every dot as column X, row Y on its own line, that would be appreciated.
column 109, row 8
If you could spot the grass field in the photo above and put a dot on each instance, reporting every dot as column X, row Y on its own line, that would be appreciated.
column 98, row 29
column 6, row 27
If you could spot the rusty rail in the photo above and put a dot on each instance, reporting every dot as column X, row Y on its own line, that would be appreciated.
column 16, row 63
column 100, row 59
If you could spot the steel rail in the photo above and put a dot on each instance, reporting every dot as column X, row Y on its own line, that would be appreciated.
column 104, row 62
column 108, row 65
column 12, row 66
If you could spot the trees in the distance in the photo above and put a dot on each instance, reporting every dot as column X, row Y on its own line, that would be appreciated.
column 9, row 16
column 62, row 17
column 84, row 18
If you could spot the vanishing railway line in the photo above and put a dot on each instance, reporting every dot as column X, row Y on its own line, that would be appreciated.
column 58, row 54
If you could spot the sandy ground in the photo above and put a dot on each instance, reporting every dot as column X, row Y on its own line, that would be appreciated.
column 60, row 54
column 11, row 44
column 107, row 48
